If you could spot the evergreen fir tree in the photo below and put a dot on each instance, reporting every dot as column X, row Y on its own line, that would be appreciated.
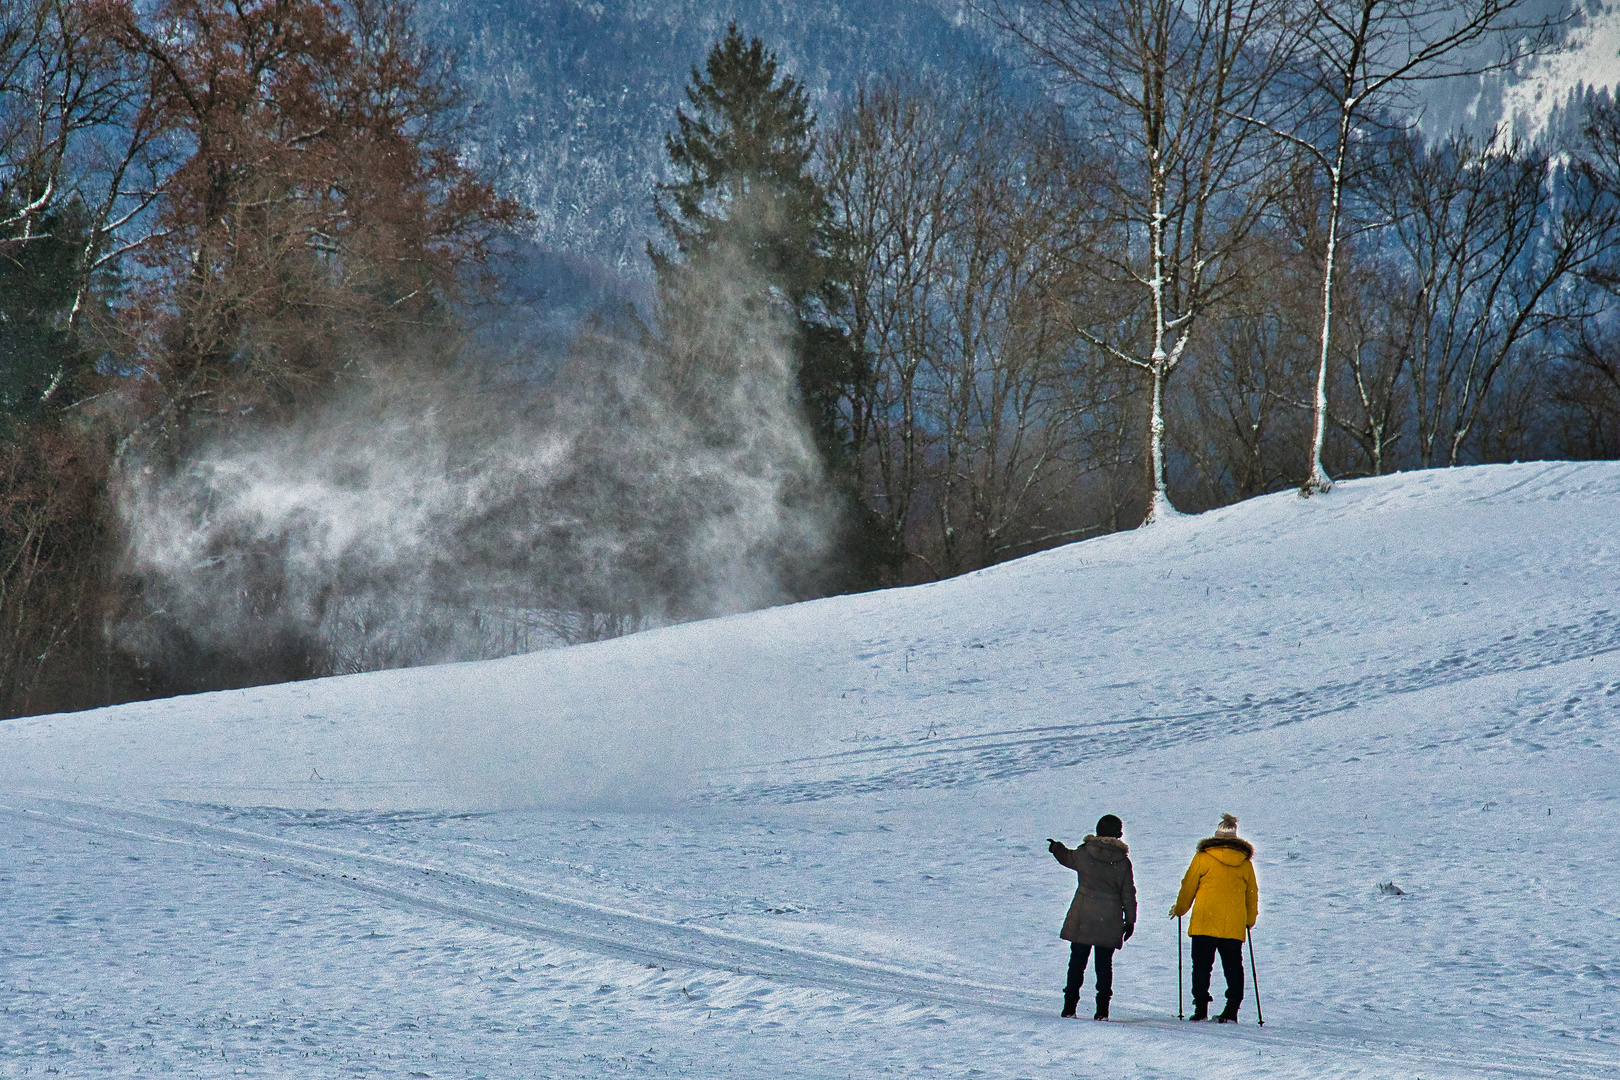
column 39, row 280
column 746, row 192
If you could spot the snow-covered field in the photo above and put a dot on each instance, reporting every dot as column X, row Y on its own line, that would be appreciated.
column 810, row 842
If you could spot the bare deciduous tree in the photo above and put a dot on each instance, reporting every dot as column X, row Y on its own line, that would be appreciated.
column 1241, row 396
column 77, row 128
column 1360, row 58
column 53, row 540
column 1488, row 233
column 1165, row 81
column 319, row 197
column 964, row 216
column 1375, row 340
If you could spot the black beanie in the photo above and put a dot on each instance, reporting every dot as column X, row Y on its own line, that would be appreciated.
column 1109, row 825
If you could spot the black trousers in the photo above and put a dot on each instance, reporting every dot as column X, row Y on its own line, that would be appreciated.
column 1077, row 970
column 1204, row 949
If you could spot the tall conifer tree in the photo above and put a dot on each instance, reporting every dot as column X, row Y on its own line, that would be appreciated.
column 39, row 280
column 746, row 190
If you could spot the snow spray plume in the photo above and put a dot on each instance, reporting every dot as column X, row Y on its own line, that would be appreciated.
column 422, row 521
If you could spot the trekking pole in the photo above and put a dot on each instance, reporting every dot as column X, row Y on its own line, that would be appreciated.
column 1254, row 977
column 1181, row 1012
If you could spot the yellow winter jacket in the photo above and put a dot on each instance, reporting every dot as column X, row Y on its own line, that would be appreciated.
column 1220, row 888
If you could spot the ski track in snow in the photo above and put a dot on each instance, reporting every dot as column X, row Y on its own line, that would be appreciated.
column 505, row 906
column 1414, row 681
column 750, row 968
column 999, row 755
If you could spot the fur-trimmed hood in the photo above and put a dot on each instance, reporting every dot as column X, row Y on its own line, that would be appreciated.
column 1220, row 889
column 1226, row 847
column 1108, row 849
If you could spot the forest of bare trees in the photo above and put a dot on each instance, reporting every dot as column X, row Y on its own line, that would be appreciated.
column 1220, row 258
column 1169, row 256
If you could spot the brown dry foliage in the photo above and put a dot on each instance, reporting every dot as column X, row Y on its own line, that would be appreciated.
column 291, row 193
column 322, row 212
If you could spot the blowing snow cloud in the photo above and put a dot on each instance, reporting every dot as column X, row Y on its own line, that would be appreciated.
column 422, row 520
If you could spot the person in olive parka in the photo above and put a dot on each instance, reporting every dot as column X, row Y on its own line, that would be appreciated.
column 1103, row 913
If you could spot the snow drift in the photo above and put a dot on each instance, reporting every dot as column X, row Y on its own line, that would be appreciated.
column 1261, row 614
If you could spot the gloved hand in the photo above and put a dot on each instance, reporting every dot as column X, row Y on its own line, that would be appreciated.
column 1174, row 913
column 1130, row 928
column 1053, row 846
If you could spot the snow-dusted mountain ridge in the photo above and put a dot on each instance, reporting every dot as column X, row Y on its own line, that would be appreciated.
column 810, row 841
column 574, row 98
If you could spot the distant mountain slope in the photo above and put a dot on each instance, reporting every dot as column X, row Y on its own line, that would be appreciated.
column 575, row 97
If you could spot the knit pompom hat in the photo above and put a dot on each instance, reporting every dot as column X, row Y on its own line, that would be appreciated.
column 1227, row 829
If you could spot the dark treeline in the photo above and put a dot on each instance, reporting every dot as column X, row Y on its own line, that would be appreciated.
column 214, row 217
column 947, row 324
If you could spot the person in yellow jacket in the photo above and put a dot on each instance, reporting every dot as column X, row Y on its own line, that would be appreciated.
column 1224, row 897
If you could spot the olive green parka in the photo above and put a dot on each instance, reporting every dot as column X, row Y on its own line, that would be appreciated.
column 1104, row 905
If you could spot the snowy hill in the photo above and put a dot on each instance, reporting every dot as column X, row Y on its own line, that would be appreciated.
column 809, row 841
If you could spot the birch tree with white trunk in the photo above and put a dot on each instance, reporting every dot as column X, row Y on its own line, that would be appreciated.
column 1165, row 82
column 1364, row 58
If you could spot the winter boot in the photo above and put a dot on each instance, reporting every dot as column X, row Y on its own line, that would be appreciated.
column 1102, row 1008
column 1071, row 998
column 1228, row 1015
column 1200, row 1009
